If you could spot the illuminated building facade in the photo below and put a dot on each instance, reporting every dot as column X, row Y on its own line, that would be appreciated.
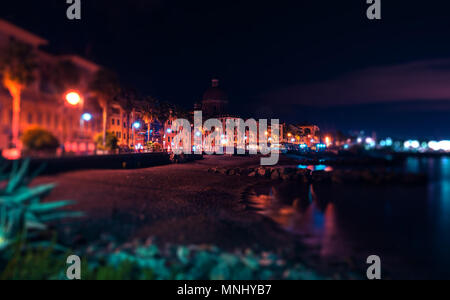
column 43, row 103
column 214, row 105
column 308, row 135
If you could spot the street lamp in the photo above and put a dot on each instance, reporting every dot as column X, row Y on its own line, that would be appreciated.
column 73, row 98
column 86, row 117
column 137, row 125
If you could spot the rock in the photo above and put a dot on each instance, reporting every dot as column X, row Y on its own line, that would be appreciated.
column 321, row 177
column 286, row 177
column 231, row 172
column 296, row 177
column 222, row 171
column 304, row 178
column 303, row 172
column 262, row 172
column 289, row 170
column 275, row 175
column 244, row 172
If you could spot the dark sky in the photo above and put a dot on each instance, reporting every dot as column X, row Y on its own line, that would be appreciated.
column 317, row 61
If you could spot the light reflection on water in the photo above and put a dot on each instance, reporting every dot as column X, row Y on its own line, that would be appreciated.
column 407, row 226
column 316, row 168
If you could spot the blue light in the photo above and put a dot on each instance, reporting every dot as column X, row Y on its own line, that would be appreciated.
column 320, row 168
column 389, row 142
column 169, row 130
column 86, row 117
column 137, row 125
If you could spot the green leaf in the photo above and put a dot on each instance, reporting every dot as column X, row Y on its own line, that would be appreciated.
column 31, row 193
column 49, row 206
column 17, row 177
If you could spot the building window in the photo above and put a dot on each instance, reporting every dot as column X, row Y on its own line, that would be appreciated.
column 112, row 120
column 49, row 119
column 39, row 118
column 30, row 118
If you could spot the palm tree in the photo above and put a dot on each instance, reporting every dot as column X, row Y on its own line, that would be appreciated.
column 127, row 98
column 105, row 86
column 165, row 111
column 149, row 111
column 17, row 65
column 181, row 113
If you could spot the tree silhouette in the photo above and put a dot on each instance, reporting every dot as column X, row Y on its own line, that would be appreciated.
column 106, row 87
column 17, row 66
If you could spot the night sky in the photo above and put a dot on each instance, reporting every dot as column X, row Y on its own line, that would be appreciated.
column 300, row 61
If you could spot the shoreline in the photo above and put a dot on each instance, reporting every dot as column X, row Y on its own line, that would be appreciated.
column 164, row 202
column 179, row 204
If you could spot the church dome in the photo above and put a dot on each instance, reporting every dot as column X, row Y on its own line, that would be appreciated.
column 215, row 100
column 214, row 93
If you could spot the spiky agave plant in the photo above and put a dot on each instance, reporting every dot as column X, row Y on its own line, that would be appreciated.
column 22, row 212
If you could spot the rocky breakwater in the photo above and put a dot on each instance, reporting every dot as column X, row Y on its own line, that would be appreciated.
column 363, row 176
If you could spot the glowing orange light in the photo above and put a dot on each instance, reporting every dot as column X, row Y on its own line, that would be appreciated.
column 328, row 140
column 289, row 134
column 73, row 98
column 11, row 154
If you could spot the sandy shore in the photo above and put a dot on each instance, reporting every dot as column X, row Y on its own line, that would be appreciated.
column 182, row 204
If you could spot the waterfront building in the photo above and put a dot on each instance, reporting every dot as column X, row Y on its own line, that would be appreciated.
column 215, row 101
column 214, row 104
column 308, row 135
column 43, row 102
